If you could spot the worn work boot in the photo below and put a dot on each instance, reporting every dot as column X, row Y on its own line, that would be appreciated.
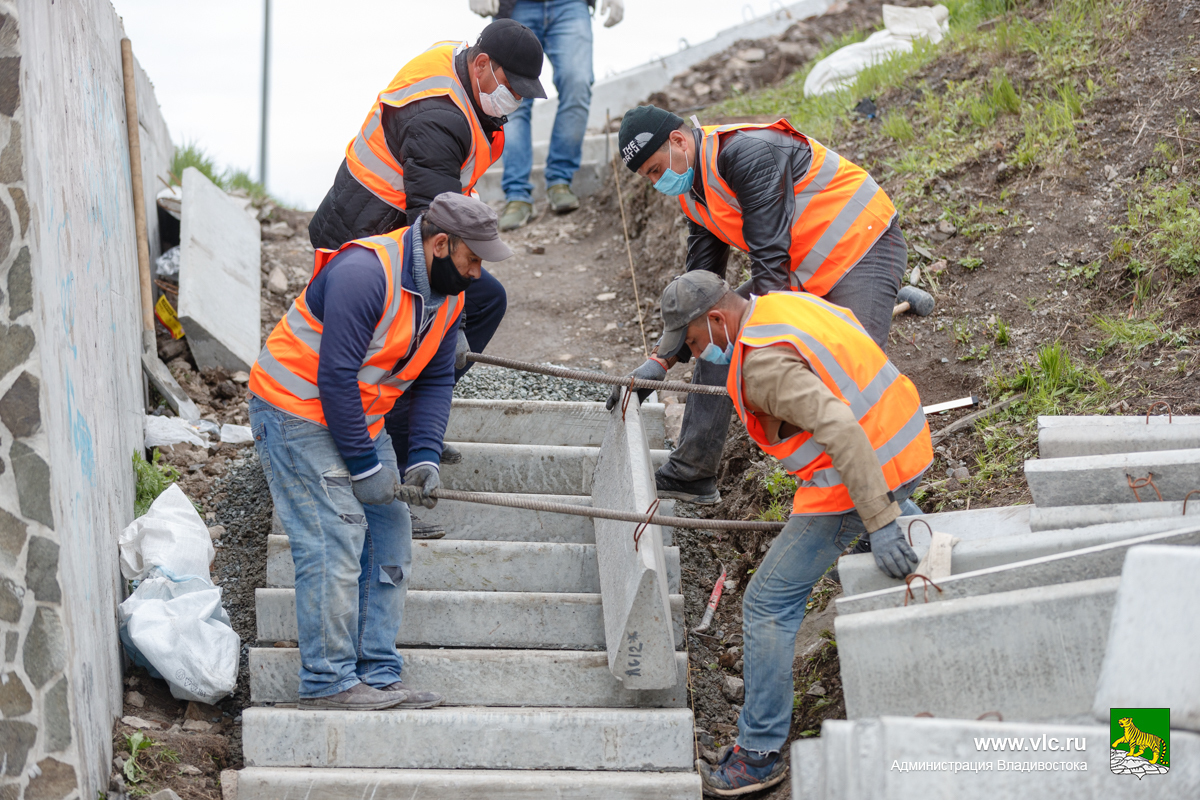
column 702, row 492
column 739, row 773
column 516, row 213
column 425, row 530
column 414, row 699
column 358, row 697
column 451, row 454
column 562, row 199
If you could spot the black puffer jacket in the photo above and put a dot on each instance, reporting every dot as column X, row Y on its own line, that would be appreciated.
column 431, row 139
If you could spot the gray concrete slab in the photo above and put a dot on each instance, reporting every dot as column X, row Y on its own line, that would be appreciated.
column 526, row 468
column 1047, row 421
column 474, row 677
column 976, row 523
column 1064, row 517
column 467, row 566
column 558, row 621
column 470, row 738
column 544, row 422
column 281, row 783
column 633, row 573
column 859, row 574
column 1029, row 654
column 1101, row 561
column 220, row 255
column 1063, row 437
column 495, row 523
column 1154, row 627
column 898, row 758
column 1087, row 480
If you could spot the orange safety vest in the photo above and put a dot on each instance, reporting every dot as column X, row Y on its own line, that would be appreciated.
column 430, row 74
column 840, row 211
column 846, row 359
column 285, row 374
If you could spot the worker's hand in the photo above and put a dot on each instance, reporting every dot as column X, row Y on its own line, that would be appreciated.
column 892, row 553
column 378, row 489
column 419, row 484
column 615, row 10
column 485, row 8
column 650, row 371
column 461, row 349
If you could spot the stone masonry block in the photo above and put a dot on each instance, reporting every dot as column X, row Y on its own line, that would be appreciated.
column 12, row 536
column 45, row 650
column 11, row 640
column 10, row 85
column 11, row 597
column 6, row 231
column 41, row 570
column 20, row 281
column 21, row 204
column 56, row 716
column 56, row 781
column 14, row 697
column 11, row 159
column 15, row 740
column 1153, row 627
column 19, row 409
column 16, row 343
column 33, row 483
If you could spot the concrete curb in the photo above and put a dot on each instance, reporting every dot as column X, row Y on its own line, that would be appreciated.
column 1087, row 480
column 543, row 422
column 527, row 468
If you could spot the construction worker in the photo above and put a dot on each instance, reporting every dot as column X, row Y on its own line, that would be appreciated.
column 816, row 392
column 435, row 128
column 378, row 320
column 564, row 28
column 809, row 220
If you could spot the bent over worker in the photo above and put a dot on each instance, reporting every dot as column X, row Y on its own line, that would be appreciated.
column 816, row 392
column 435, row 128
column 378, row 321
column 810, row 221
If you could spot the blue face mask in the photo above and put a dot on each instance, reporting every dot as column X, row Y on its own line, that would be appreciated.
column 671, row 183
column 714, row 355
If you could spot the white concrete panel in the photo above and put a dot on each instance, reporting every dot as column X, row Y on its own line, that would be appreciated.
column 1087, row 480
column 544, row 422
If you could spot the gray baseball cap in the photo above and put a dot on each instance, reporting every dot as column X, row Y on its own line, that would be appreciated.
column 471, row 220
column 687, row 298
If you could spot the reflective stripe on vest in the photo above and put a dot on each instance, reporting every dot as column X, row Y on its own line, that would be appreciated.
column 285, row 373
column 839, row 212
column 430, row 74
column 843, row 355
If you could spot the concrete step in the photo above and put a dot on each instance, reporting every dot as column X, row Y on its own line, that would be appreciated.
column 558, row 621
column 544, row 422
column 1101, row 561
column 590, row 179
column 976, row 523
column 282, row 783
column 564, row 678
column 1064, row 517
column 465, row 566
column 527, row 469
column 1087, row 480
column 859, row 573
column 1063, row 437
column 1029, row 654
column 470, row 738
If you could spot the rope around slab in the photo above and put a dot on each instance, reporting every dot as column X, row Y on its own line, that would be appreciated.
column 597, row 377
column 519, row 501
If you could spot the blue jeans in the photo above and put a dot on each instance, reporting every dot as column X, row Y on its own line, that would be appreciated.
column 352, row 560
column 773, row 608
column 564, row 27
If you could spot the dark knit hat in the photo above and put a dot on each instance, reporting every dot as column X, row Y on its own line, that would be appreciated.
column 643, row 131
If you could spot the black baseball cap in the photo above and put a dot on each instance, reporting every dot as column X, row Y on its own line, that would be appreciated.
column 643, row 131
column 517, row 49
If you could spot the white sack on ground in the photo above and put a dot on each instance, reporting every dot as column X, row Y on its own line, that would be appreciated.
column 901, row 25
column 168, row 431
column 180, row 632
column 171, row 536
column 236, row 434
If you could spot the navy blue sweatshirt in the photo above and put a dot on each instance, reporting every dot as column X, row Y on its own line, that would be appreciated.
column 348, row 297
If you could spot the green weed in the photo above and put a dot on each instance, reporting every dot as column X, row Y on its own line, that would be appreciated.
column 896, row 126
column 190, row 154
column 1135, row 335
column 1000, row 334
column 151, row 479
column 781, row 486
column 970, row 263
column 1162, row 227
column 135, row 772
column 1004, row 96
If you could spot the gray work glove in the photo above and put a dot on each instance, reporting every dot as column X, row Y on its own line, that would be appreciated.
column 649, row 371
column 892, row 553
column 461, row 348
column 419, row 483
column 378, row 489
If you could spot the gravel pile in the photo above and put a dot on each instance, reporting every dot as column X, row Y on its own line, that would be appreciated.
column 497, row 383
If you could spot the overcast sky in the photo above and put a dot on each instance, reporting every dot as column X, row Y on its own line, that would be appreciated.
column 329, row 60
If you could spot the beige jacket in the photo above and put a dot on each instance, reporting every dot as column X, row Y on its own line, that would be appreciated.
column 789, row 397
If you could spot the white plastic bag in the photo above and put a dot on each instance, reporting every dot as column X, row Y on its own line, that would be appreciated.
column 179, row 631
column 167, row 265
column 167, row 431
column 236, row 434
column 170, row 536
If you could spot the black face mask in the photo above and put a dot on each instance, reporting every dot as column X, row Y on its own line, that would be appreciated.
column 444, row 277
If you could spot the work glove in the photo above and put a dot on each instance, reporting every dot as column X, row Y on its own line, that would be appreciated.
column 892, row 553
column 378, row 489
column 461, row 349
column 485, row 8
column 419, row 484
column 650, row 371
column 615, row 10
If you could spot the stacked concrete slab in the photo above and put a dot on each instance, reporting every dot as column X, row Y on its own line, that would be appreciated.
column 522, row 619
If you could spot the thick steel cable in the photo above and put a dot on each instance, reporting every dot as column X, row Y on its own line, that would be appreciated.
column 519, row 501
column 596, row 377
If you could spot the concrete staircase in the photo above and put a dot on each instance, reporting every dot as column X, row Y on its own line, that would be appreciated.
column 512, row 617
